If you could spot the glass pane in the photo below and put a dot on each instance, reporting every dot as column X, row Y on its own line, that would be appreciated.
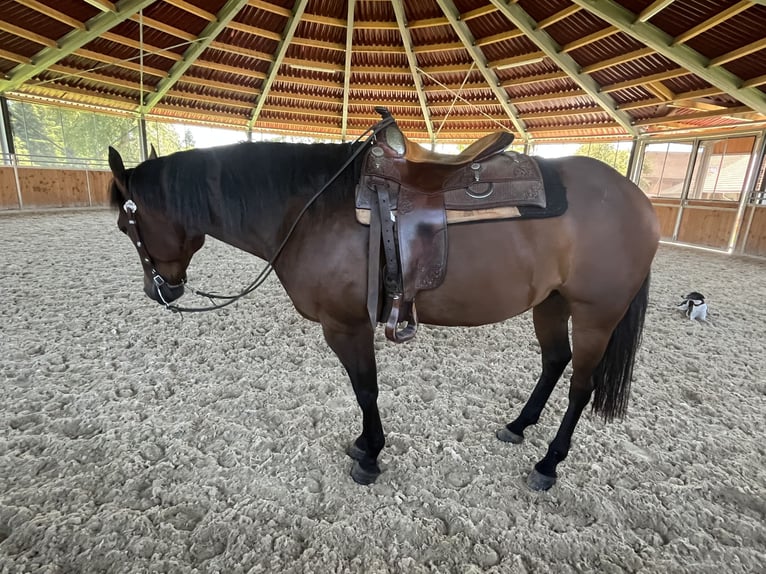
column 664, row 169
column 614, row 154
column 722, row 169
column 48, row 136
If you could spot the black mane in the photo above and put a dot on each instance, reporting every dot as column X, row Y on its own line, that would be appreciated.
column 230, row 185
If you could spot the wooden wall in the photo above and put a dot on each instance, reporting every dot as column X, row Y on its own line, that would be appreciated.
column 667, row 213
column 752, row 238
column 53, row 187
column 708, row 223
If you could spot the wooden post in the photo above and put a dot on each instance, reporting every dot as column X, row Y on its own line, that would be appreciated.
column 142, row 138
column 751, row 180
column 7, row 145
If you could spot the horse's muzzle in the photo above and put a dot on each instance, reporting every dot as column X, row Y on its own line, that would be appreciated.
column 164, row 293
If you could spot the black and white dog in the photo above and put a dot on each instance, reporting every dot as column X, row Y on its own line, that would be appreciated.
column 694, row 306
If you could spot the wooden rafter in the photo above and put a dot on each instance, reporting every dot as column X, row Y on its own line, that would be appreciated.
column 52, row 13
column 590, row 39
column 653, row 9
column 401, row 21
column 289, row 32
column 617, row 60
column 347, row 66
column 722, row 16
column 751, row 48
column 457, row 22
column 223, row 18
column 103, row 5
column 682, row 55
column 72, row 41
column 552, row 50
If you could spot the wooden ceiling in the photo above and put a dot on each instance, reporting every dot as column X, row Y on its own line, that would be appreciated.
column 449, row 70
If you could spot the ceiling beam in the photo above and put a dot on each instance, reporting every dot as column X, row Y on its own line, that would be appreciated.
column 103, row 5
column 739, row 52
column 52, row 13
column 290, row 27
column 347, row 67
column 524, row 22
column 703, row 27
column 682, row 55
column 401, row 21
column 466, row 36
column 590, row 39
column 653, row 9
column 206, row 37
column 70, row 42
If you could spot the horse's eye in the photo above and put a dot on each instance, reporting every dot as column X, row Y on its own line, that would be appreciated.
column 124, row 229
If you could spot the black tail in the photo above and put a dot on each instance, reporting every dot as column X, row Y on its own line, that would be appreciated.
column 611, row 378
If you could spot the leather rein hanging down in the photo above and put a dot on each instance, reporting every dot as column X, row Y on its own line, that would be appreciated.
column 148, row 263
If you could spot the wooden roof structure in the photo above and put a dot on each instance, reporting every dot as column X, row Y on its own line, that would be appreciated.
column 449, row 70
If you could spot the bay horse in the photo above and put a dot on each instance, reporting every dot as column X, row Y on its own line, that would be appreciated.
column 590, row 265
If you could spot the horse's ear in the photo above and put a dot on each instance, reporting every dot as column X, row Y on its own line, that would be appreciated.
column 152, row 152
column 117, row 167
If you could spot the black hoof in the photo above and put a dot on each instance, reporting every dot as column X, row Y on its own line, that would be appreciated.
column 539, row 481
column 507, row 436
column 355, row 452
column 362, row 476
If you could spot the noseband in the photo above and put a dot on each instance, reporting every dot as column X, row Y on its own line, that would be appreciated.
column 147, row 262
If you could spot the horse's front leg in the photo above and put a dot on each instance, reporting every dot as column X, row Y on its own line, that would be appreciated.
column 355, row 349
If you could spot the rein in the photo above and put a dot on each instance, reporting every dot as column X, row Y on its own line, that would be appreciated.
column 148, row 264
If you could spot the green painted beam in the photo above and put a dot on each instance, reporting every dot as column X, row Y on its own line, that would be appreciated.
column 469, row 43
column 347, row 66
column 401, row 21
column 527, row 24
column 682, row 55
column 290, row 28
column 72, row 41
column 222, row 18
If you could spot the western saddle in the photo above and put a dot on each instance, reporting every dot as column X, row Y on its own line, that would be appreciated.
column 408, row 195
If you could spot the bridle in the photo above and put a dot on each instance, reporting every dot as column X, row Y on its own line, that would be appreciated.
column 159, row 281
column 147, row 262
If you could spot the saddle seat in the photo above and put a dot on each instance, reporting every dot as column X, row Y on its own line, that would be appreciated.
column 412, row 152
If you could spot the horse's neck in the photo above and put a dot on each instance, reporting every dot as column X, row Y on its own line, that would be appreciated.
column 261, row 232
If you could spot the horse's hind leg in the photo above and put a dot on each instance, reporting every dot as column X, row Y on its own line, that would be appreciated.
column 551, row 318
column 590, row 337
column 354, row 347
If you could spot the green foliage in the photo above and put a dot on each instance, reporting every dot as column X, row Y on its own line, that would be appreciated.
column 48, row 135
column 609, row 153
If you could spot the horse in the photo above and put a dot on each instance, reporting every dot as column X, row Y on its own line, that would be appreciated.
column 590, row 265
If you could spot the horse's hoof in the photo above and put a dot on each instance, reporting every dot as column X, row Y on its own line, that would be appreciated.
column 355, row 452
column 362, row 476
column 507, row 436
column 538, row 481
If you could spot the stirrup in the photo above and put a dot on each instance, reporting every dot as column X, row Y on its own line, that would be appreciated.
column 392, row 325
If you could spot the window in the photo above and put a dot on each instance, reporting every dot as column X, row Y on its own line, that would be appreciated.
column 721, row 168
column 50, row 136
column 664, row 169
column 615, row 154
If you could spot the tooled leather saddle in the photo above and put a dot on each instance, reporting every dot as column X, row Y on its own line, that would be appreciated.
column 408, row 195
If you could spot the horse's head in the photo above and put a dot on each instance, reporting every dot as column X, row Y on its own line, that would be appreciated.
column 164, row 246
